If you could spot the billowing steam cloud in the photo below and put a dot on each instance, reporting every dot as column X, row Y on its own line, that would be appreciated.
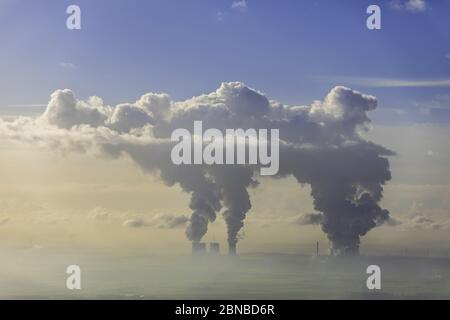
column 320, row 145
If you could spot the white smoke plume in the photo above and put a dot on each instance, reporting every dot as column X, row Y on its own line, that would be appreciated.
column 320, row 145
column 309, row 219
column 168, row 221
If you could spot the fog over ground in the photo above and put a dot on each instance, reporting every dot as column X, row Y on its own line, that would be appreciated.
column 40, row 273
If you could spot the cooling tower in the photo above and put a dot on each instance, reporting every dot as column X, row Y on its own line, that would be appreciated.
column 232, row 249
column 198, row 248
column 214, row 248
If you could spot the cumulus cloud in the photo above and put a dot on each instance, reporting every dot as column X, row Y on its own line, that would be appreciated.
column 65, row 111
column 320, row 145
column 240, row 5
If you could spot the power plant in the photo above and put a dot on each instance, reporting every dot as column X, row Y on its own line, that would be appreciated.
column 199, row 248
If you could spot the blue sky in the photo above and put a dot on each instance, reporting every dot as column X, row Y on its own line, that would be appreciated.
column 294, row 51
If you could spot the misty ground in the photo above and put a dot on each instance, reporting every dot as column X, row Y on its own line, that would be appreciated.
column 40, row 273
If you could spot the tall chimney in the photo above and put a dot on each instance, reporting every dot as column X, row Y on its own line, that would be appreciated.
column 232, row 249
column 198, row 248
column 214, row 248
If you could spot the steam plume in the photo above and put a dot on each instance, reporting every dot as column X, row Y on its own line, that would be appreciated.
column 320, row 145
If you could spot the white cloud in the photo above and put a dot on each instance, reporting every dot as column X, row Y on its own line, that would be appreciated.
column 160, row 221
column 410, row 5
column 128, row 116
column 66, row 65
column 416, row 5
column 65, row 111
column 240, row 5
column 388, row 82
column 168, row 221
column 447, row 55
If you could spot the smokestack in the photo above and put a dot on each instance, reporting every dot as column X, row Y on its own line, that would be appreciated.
column 198, row 248
column 214, row 248
column 232, row 249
